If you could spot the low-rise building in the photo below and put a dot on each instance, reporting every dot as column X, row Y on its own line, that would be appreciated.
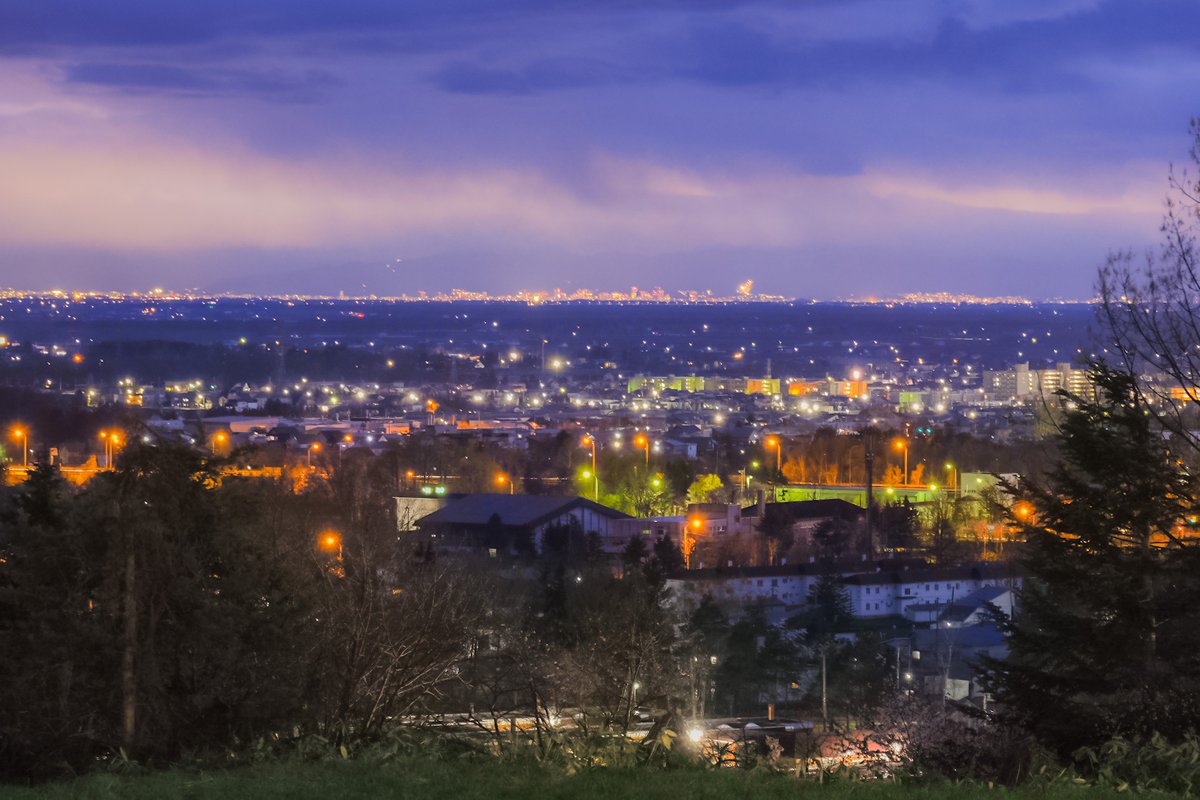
column 502, row 524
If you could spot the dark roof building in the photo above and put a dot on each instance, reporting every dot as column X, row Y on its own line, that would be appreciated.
column 512, row 523
column 811, row 509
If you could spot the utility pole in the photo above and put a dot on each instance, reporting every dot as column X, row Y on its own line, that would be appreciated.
column 869, row 457
column 824, row 692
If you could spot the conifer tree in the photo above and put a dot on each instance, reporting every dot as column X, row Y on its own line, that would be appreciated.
column 1105, row 640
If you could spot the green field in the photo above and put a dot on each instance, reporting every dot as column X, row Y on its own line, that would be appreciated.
column 496, row 780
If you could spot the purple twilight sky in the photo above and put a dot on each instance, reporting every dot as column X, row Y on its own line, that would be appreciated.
column 825, row 148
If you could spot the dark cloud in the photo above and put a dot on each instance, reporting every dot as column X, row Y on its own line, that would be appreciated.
column 733, row 43
column 1025, row 56
column 543, row 75
column 30, row 23
column 1021, row 56
column 199, row 81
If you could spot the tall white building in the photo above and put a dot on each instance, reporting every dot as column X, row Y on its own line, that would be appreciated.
column 1021, row 383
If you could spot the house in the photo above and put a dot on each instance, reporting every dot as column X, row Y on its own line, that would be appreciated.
column 511, row 523
column 948, row 661
column 803, row 516
column 739, row 587
column 888, row 593
column 973, row 609
column 650, row 529
column 785, row 585
column 717, row 519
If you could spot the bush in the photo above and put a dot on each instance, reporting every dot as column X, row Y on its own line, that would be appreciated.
column 1152, row 764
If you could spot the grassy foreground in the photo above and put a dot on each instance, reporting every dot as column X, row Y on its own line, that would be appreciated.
column 471, row 780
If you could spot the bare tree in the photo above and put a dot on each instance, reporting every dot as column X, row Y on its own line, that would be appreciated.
column 1150, row 306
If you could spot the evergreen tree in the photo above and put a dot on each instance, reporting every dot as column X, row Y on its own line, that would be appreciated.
column 828, row 611
column 53, row 649
column 665, row 560
column 758, row 660
column 776, row 528
column 709, row 626
column 1106, row 636
column 634, row 553
column 898, row 524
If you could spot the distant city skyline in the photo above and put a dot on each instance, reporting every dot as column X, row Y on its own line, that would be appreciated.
column 632, row 294
column 826, row 149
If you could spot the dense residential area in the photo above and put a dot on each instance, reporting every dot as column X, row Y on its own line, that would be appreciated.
column 862, row 593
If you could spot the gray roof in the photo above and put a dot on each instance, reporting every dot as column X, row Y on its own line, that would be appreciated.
column 811, row 509
column 985, row 570
column 514, row 510
column 974, row 637
column 961, row 609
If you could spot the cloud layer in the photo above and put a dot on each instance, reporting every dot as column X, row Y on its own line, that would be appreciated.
column 840, row 143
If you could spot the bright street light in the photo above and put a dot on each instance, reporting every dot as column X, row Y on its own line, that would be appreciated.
column 112, row 440
column 902, row 444
column 643, row 441
column 774, row 443
column 331, row 542
column 590, row 441
column 23, row 434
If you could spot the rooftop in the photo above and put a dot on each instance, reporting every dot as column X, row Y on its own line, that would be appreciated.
column 512, row 510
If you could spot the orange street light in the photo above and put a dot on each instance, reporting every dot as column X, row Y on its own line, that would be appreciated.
column 111, row 439
column 690, row 531
column 502, row 479
column 590, row 441
column 774, row 443
column 313, row 447
column 643, row 441
column 219, row 439
column 23, row 434
column 331, row 542
column 902, row 444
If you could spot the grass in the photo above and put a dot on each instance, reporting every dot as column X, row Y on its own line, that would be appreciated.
column 497, row 780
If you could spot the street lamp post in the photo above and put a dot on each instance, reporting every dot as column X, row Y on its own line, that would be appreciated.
column 331, row 542
column 311, row 447
column 218, row 440
column 953, row 477
column 502, row 479
column 590, row 441
column 643, row 441
column 23, row 435
column 902, row 444
column 690, row 533
column 747, row 479
column 774, row 443
column 111, row 439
